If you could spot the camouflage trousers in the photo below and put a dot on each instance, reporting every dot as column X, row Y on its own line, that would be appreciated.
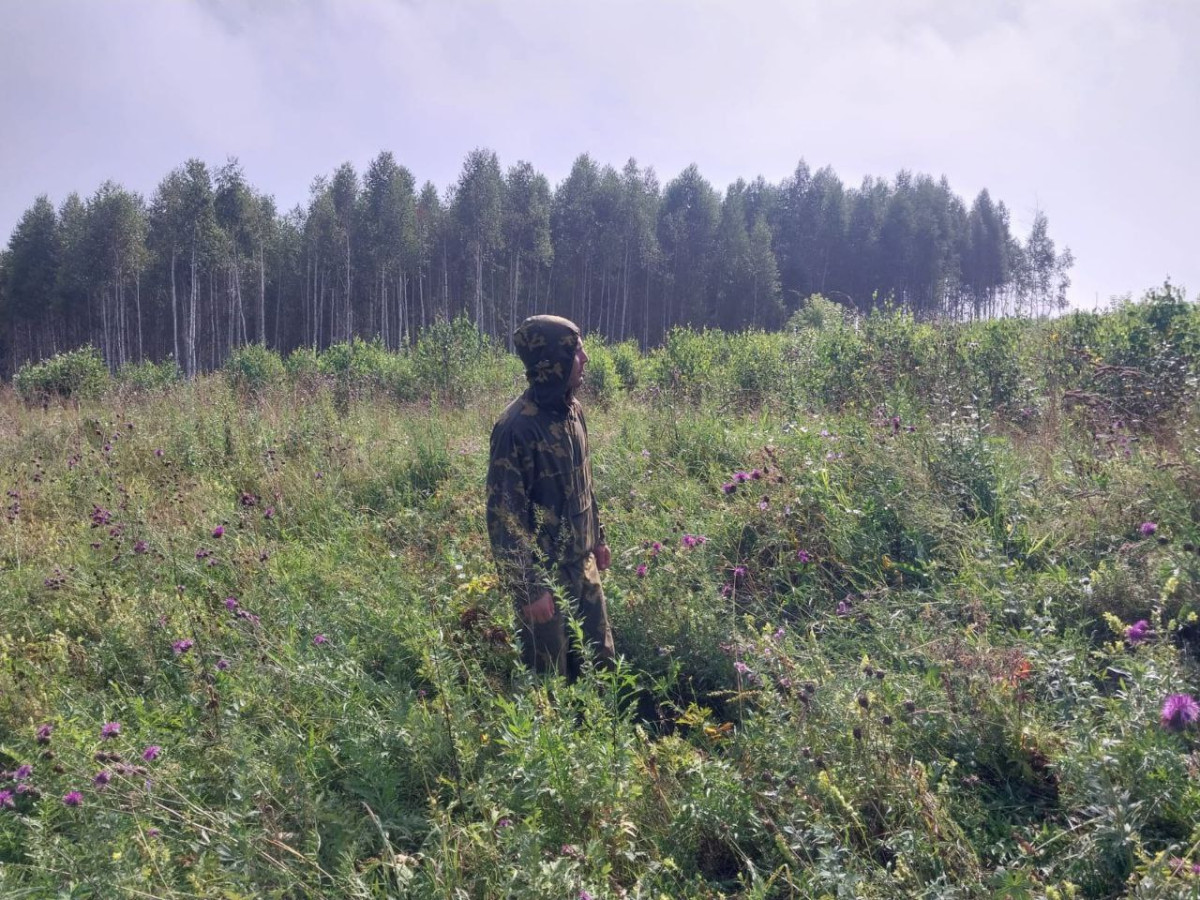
column 549, row 647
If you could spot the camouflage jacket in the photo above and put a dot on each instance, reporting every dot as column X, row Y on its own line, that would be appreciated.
column 541, row 507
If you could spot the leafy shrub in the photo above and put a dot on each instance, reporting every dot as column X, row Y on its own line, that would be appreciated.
column 77, row 374
column 149, row 376
column 627, row 360
column 600, row 381
column 448, row 358
column 253, row 367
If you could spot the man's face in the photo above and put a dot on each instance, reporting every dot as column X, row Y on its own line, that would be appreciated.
column 576, row 377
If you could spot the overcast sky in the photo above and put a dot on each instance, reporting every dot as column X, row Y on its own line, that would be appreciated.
column 1086, row 109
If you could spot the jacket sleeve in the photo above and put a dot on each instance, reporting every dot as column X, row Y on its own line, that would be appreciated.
column 510, row 519
column 597, row 525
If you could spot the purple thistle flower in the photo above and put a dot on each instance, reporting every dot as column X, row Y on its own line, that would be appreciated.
column 504, row 823
column 140, row 547
column 110, row 730
column 6, row 800
column 688, row 541
column 73, row 798
column 319, row 639
column 150, row 754
column 158, row 452
column 655, row 548
column 755, row 474
column 729, row 487
column 269, row 512
column 22, row 772
column 1137, row 632
column 44, row 732
column 803, row 557
column 219, row 531
column 741, row 668
column 1148, row 528
column 764, row 503
column 584, row 895
column 222, row 665
column 641, row 571
column 779, row 633
column 183, row 646
column 739, row 571
column 153, row 832
column 1179, row 711
column 231, row 603
column 727, row 590
column 843, row 608
column 101, row 778
column 741, row 477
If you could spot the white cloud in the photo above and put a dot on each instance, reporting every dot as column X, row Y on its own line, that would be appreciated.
column 1086, row 108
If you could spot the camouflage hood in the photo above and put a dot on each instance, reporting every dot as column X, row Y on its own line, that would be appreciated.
column 546, row 345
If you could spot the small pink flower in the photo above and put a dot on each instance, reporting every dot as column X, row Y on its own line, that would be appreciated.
column 641, row 571
column 1148, row 528
column 183, row 646
column 219, row 531
column 320, row 639
column 231, row 603
column 110, row 730
column 151, row 753
column 803, row 557
column 269, row 512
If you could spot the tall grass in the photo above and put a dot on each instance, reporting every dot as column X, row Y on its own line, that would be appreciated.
column 872, row 585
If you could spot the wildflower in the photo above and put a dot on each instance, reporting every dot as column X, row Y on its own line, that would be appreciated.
column 222, row 665
column 755, row 474
column 140, row 547
column 269, row 512
column 101, row 778
column 1148, row 528
column 231, row 603
column 1137, row 632
column 320, row 475
column 693, row 540
column 73, row 798
column 158, row 451
column 729, row 487
column 150, row 754
column 739, row 571
column 22, row 772
column 319, row 639
column 645, row 454
column 641, row 571
column 110, row 730
column 203, row 554
column 249, row 499
column 6, row 800
column 655, row 548
column 779, row 632
column 153, row 832
column 504, row 823
column 741, row 477
column 843, row 608
column 741, row 668
column 803, row 557
column 727, row 590
column 764, row 503
column 584, row 895
column 1179, row 711
column 183, row 646
column 219, row 531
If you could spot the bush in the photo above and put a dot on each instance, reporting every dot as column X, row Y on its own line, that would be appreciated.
column 253, row 368
column 627, row 360
column 601, row 381
column 77, row 374
column 149, row 376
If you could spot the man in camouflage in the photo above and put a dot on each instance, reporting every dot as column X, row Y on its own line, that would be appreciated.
column 542, row 516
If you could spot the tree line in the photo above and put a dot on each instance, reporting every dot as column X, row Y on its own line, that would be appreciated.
column 209, row 263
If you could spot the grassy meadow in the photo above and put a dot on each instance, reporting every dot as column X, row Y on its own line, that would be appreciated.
column 905, row 610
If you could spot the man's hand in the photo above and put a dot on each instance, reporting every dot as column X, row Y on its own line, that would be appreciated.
column 603, row 557
column 540, row 611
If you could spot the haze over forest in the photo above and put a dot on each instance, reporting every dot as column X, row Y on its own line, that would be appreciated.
column 937, row 138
